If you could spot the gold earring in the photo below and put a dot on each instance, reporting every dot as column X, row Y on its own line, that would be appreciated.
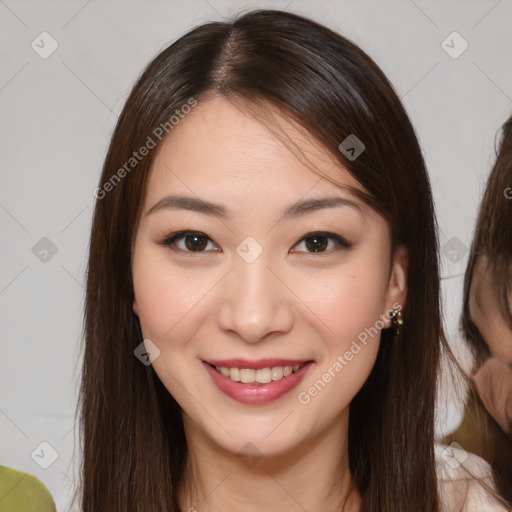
column 397, row 319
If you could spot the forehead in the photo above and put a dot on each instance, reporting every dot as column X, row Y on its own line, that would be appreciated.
column 219, row 149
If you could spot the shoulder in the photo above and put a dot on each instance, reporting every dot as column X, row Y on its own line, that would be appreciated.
column 464, row 480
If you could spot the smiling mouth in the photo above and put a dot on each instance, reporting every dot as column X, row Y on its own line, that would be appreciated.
column 260, row 375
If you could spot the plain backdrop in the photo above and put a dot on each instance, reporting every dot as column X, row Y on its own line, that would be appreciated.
column 57, row 113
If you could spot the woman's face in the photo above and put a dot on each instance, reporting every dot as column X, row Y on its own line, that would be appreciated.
column 247, row 292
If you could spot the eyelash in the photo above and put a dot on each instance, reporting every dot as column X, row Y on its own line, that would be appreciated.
column 340, row 242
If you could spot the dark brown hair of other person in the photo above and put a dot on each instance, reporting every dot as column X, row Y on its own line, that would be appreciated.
column 479, row 432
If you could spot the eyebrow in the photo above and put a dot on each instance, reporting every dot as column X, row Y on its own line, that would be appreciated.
column 303, row 207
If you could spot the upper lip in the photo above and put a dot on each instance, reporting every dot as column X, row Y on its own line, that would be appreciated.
column 255, row 365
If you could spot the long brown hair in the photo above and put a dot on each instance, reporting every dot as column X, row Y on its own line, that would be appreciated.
column 492, row 239
column 134, row 446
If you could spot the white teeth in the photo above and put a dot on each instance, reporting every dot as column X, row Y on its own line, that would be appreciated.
column 234, row 374
column 277, row 372
column 247, row 375
column 262, row 375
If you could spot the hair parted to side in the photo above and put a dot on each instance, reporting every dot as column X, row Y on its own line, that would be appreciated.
column 133, row 440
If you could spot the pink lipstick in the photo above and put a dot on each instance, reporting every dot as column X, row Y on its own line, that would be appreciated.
column 236, row 377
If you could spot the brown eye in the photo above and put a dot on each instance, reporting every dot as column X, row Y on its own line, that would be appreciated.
column 318, row 242
column 187, row 241
column 195, row 242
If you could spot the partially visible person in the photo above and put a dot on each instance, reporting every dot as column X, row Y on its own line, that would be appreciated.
column 486, row 429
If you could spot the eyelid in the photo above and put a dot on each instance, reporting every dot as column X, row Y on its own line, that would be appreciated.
column 177, row 235
column 341, row 243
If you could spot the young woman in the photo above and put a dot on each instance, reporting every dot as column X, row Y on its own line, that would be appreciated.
column 262, row 315
column 487, row 324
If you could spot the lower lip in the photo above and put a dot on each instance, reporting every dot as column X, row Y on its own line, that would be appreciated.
column 256, row 393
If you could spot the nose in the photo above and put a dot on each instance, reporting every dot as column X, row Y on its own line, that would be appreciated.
column 255, row 302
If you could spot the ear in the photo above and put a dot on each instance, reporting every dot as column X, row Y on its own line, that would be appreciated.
column 135, row 307
column 397, row 286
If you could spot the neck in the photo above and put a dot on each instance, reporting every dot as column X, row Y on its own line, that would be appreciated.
column 315, row 475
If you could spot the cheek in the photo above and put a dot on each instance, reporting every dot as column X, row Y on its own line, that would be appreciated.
column 168, row 301
column 347, row 303
column 166, row 296
column 349, row 308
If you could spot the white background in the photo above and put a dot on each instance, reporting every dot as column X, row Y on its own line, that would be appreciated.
column 57, row 115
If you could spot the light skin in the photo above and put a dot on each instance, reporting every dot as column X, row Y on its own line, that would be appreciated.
column 486, row 314
column 494, row 379
column 291, row 302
